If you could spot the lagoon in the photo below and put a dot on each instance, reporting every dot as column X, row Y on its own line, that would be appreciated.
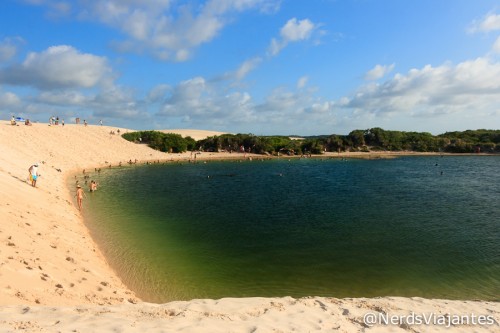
column 410, row 226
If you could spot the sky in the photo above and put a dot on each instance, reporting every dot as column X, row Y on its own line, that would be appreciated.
column 266, row 67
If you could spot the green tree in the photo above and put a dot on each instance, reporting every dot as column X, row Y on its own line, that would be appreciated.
column 357, row 138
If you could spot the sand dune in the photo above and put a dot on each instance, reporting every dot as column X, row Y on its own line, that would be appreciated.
column 54, row 278
column 244, row 315
column 195, row 134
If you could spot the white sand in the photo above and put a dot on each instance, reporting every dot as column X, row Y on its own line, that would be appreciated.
column 195, row 134
column 54, row 278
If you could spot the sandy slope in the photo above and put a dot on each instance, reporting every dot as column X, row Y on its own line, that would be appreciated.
column 54, row 278
column 247, row 315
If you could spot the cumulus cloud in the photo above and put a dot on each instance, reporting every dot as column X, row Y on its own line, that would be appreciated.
column 496, row 46
column 285, row 105
column 158, row 93
column 247, row 67
column 62, row 98
column 109, row 102
column 191, row 96
column 299, row 111
column 9, row 47
column 292, row 31
column 9, row 99
column 472, row 85
column 235, row 79
column 378, row 72
column 114, row 99
column 157, row 26
column 301, row 83
column 490, row 22
column 295, row 30
column 199, row 101
column 7, row 51
column 58, row 67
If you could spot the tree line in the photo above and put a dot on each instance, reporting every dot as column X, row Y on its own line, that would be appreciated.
column 166, row 142
column 374, row 139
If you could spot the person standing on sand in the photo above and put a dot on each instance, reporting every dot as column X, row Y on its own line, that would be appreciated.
column 79, row 196
column 33, row 170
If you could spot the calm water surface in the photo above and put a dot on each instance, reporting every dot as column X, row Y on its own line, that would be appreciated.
column 355, row 228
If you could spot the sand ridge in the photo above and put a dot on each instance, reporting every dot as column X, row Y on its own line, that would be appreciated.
column 54, row 278
column 194, row 133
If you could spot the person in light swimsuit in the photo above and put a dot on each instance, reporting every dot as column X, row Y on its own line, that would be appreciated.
column 33, row 170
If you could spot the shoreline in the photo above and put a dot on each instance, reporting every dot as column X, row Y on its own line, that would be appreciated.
column 53, row 275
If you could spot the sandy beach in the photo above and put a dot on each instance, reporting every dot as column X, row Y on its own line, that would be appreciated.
column 53, row 277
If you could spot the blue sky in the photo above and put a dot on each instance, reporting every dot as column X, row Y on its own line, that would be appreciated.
column 254, row 66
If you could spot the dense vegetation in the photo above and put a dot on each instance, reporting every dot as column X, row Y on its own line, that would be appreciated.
column 251, row 143
column 167, row 142
column 374, row 139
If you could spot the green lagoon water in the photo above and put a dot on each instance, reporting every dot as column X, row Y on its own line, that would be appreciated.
column 308, row 227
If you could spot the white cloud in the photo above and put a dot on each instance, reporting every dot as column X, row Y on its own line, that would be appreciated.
column 110, row 102
column 496, row 46
column 292, row 31
column 9, row 99
column 247, row 67
column 182, row 55
column 63, row 98
column 55, row 8
column 192, row 96
column 158, row 27
column 7, row 51
column 275, row 47
column 301, row 83
column 294, row 112
column 60, row 8
column 378, row 72
column 470, row 86
column 490, row 22
column 202, row 102
column 137, row 25
column 295, row 30
column 324, row 107
column 235, row 78
column 158, row 93
column 452, row 91
column 198, row 101
column 281, row 101
column 222, row 6
column 58, row 67
column 9, row 47
column 118, row 102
